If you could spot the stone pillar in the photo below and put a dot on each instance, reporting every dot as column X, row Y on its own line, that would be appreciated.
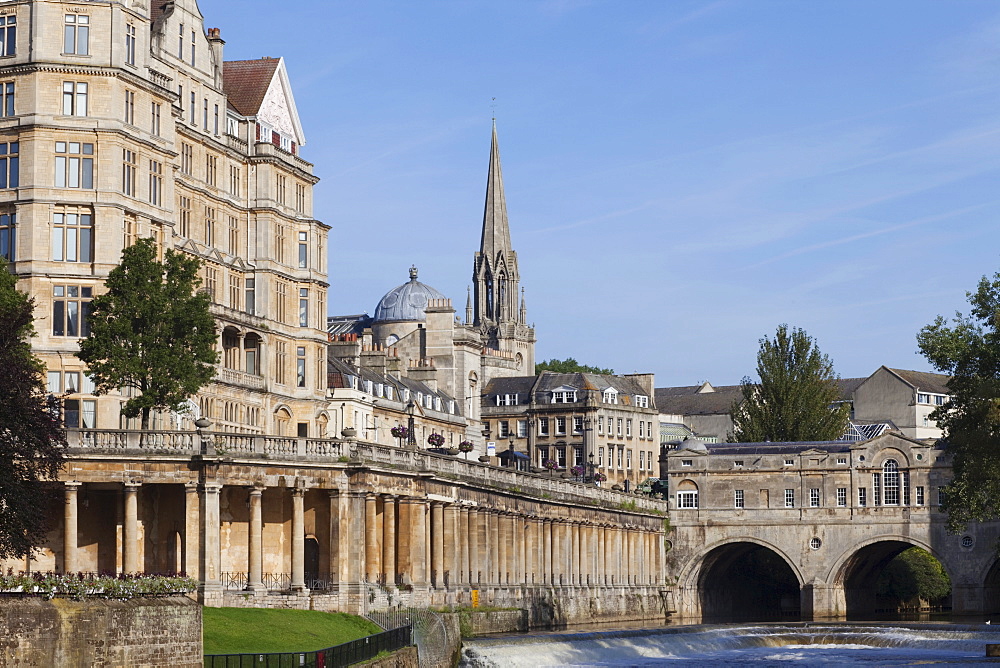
column 437, row 544
column 522, row 549
column 465, row 545
column 452, row 545
column 547, row 552
column 531, row 550
column 476, row 534
column 70, row 528
column 130, row 541
column 503, row 549
column 211, row 553
column 418, row 541
column 352, row 537
column 495, row 567
column 255, row 571
column 371, row 569
column 298, row 540
column 389, row 539
column 192, row 519
column 333, row 517
column 576, row 563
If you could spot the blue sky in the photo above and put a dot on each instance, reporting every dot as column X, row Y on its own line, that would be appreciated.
column 681, row 177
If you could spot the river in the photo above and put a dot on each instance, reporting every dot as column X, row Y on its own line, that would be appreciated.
column 812, row 643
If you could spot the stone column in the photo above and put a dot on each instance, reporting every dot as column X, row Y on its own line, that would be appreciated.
column 389, row 539
column 503, row 549
column 481, row 563
column 465, row 542
column 575, row 562
column 211, row 553
column 418, row 542
column 437, row 544
column 546, row 537
column 531, row 550
column 496, row 566
column 452, row 545
column 130, row 541
column 333, row 517
column 298, row 540
column 192, row 519
column 371, row 568
column 70, row 528
column 255, row 571
column 521, row 536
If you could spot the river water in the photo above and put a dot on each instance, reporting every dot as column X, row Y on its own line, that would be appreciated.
column 807, row 644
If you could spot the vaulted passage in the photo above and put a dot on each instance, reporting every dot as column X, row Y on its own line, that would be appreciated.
column 747, row 582
column 892, row 579
column 991, row 593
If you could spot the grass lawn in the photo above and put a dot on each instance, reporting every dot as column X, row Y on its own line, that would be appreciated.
column 249, row 630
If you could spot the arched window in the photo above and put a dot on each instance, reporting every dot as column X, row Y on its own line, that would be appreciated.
column 890, row 482
column 687, row 495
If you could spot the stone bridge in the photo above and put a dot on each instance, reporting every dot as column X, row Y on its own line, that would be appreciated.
column 803, row 530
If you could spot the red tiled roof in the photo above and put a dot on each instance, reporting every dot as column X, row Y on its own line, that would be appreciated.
column 245, row 83
column 156, row 9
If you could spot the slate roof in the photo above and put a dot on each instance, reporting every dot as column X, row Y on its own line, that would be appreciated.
column 936, row 383
column 776, row 448
column 515, row 385
column 548, row 381
column 347, row 324
column 687, row 400
column 245, row 82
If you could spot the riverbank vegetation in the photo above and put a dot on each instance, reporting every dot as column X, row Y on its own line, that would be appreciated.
column 252, row 630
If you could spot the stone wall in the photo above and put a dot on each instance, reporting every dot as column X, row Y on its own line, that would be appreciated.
column 404, row 658
column 140, row 632
column 494, row 621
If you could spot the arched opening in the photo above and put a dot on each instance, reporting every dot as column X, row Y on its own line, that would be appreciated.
column 991, row 590
column 893, row 579
column 312, row 564
column 251, row 354
column 747, row 582
column 231, row 348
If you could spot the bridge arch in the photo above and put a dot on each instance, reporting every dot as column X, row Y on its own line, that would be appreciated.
column 857, row 570
column 744, row 579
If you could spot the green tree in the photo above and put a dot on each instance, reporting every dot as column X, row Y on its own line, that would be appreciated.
column 151, row 332
column 32, row 441
column 796, row 397
column 913, row 574
column 968, row 349
column 569, row 365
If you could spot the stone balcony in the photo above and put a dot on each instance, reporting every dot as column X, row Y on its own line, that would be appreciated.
column 240, row 379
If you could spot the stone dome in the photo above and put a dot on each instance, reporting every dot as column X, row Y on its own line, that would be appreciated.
column 406, row 302
column 694, row 445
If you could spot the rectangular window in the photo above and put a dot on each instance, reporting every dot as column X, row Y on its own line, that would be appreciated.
column 130, row 107
column 280, row 361
column 877, row 489
column 8, row 236
column 642, row 433
column 738, row 463
column 941, row 496
column 738, row 498
column 234, row 235
column 180, row 42
column 130, row 44
column 600, row 457
column 76, row 39
column 129, row 169
column 577, row 425
column 560, row 426
column 74, row 169
column 193, row 45
column 74, row 98
column 212, row 283
column 154, row 113
column 185, row 218
column 9, row 164
column 543, row 426
column 280, row 189
column 522, row 428
column 191, row 104
column 919, row 493
column 180, row 100
column 628, row 428
column 216, row 126
column 300, row 367
column 641, row 401
column 814, row 497
column 789, row 498
column 620, row 452
column 235, row 292
column 129, row 225
column 619, row 426
column 204, row 115
column 600, row 425
column 8, row 35
column 789, row 462
column 155, row 182
column 6, row 95
column 234, row 180
column 841, row 496
column 862, row 496
column 687, row 462
column 642, row 460
column 303, row 307
column 72, row 236
column 209, row 226
column 503, row 428
column 70, row 310
column 841, row 460
column 687, row 499
column 923, row 398
column 281, row 302
column 300, row 198
column 187, row 156
column 210, row 169
column 303, row 250
column 939, row 400
column 250, row 296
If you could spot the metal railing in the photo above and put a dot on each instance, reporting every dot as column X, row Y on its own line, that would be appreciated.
column 345, row 654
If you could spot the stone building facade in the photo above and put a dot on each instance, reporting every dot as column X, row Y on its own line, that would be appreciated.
column 577, row 419
column 122, row 121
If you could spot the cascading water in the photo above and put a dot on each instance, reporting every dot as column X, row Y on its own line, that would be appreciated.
column 764, row 644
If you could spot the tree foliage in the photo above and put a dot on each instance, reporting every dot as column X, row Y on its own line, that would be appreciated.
column 569, row 365
column 151, row 332
column 795, row 398
column 968, row 349
column 31, row 437
column 914, row 574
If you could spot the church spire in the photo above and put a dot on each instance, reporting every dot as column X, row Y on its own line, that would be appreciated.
column 496, row 229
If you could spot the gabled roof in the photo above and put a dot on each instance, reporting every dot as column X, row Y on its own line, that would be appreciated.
column 707, row 400
column 249, row 83
column 936, row 383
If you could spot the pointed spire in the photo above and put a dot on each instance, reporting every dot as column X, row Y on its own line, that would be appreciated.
column 496, row 230
column 468, row 305
column 524, row 309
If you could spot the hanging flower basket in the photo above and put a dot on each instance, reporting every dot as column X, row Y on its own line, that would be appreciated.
column 436, row 440
column 399, row 431
column 577, row 470
column 550, row 464
column 600, row 477
column 466, row 446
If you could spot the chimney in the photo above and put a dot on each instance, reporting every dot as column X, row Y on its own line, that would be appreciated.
column 215, row 43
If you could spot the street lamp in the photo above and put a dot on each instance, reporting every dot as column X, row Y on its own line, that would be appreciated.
column 590, row 468
column 411, row 436
column 510, row 451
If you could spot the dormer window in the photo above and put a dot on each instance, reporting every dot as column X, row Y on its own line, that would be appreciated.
column 611, row 396
column 437, row 403
column 563, row 395
column 388, row 392
column 641, row 401
column 507, row 400
column 406, row 394
column 369, row 386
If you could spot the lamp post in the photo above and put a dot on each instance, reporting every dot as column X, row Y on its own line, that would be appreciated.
column 590, row 468
column 510, row 451
column 411, row 436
